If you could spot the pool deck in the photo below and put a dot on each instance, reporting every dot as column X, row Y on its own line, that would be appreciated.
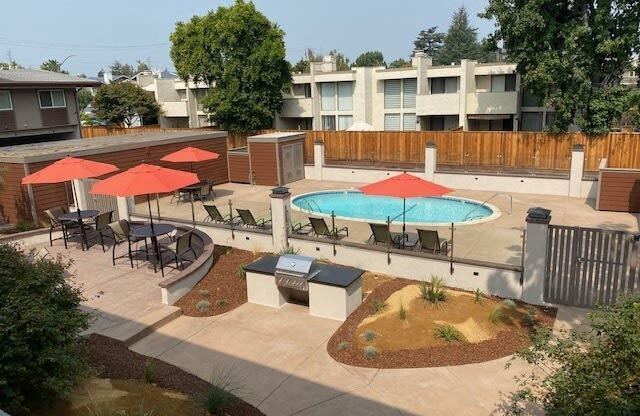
column 498, row 241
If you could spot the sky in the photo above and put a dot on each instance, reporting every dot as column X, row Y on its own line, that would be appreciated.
column 97, row 33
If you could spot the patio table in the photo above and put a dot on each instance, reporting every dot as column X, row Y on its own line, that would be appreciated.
column 193, row 189
column 153, row 231
column 79, row 216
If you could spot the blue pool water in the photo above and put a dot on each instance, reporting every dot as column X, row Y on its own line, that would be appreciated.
column 356, row 205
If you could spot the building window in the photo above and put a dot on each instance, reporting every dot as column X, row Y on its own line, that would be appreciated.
column 392, row 93
column 444, row 85
column 409, row 89
column 307, row 90
column 5, row 101
column 328, row 95
column 52, row 99
column 530, row 100
column 344, row 122
column 345, row 95
column 392, row 122
column 502, row 83
column 328, row 122
column 409, row 121
column 531, row 121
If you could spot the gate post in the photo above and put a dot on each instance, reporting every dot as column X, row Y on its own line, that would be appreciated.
column 318, row 159
column 535, row 255
column 430, row 160
column 280, row 201
column 577, row 169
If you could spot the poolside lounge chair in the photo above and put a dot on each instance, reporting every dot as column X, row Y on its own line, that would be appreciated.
column 182, row 246
column 215, row 215
column 249, row 220
column 122, row 234
column 429, row 241
column 320, row 228
column 380, row 234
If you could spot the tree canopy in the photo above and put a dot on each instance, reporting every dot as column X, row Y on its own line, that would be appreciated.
column 84, row 98
column 460, row 42
column 370, row 58
column 429, row 41
column 304, row 64
column 10, row 65
column 400, row 63
column 242, row 53
column 342, row 62
column 118, row 68
column 572, row 54
column 53, row 65
column 123, row 102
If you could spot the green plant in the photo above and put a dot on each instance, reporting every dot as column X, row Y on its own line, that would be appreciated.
column 530, row 318
column 149, row 371
column 478, row 296
column 377, row 305
column 241, row 272
column 402, row 312
column 369, row 335
column 448, row 333
column 203, row 306
column 370, row 351
column 509, row 304
column 42, row 352
column 221, row 392
column 433, row 292
column 288, row 250
column 26, row 226
column 497, row 315
column 343, row 346
column 222, row 303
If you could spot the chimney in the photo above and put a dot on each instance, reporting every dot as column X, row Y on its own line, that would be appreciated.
column 329, row 63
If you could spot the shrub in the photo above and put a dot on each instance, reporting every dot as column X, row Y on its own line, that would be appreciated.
column 222, row 303
column 377, row 305
column 497, row 315
column 448, row 333
column 369, row 335
column 221, row 393
column 478, row 296
column 402, row 312
column 149, row 371
column 26, row 226
column 433, row 292
column 530, row 318
column 509, row 304
column 203, row 306
column 288, row 250
column 241, row 272
column 343, row 346
column 370, row 351
column 41, row 351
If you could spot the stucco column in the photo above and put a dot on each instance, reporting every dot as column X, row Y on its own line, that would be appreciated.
column 124, row 205
column 81, row 194
column 318, row 159
column 577, row 169
column 280, row 202
column 535, row 255
column 430, row 159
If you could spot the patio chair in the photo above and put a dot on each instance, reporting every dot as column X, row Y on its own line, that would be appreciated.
column 429, row 241
column 101, row 227
column 205, row 193
column 320, row 228
column 380, row 234
column 68, row 228
column 213, row 214
column 122, row 234
column 249, row 220
column 179, row 248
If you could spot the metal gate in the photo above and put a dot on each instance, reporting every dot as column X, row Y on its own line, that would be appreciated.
column 589, row 266
column 103, row 203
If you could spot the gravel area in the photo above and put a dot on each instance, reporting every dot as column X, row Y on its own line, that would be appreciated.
column 113, row 360
column 222, row 289
column 506, row 343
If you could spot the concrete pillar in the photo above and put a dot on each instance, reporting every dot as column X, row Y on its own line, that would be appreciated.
column 280, row 217
column 81, row 194
column 535, row 255
column 125, row 205
column 577, row 169
column 430, row 159
column 318, row 159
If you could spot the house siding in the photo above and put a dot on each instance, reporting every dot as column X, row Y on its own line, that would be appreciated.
column 264, row 163
column 239, row 169
column 619, row 191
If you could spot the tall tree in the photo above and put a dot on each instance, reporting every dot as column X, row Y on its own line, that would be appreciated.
column 53, row 66
column 142, row 66
column 84, row 98
column 571, row 53
column 342, row 62
column 460, row 42
column 400, row 63
column 429, row 41
column 240, row 51
column 370, row 58
column 123, row 102
column 10, row 65
column 304, row 64
column 118, row 68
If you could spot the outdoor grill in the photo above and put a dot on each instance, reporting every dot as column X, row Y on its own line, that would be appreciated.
column 294, row 272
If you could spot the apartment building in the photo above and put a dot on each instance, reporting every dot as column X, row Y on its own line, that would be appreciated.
column 469, row 96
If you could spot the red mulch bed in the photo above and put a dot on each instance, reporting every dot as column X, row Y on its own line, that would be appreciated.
column 506, row 343
column 112, row 359
column 222, row 287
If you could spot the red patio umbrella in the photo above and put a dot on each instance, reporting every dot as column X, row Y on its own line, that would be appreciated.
column 405, row 186
column 144, row 179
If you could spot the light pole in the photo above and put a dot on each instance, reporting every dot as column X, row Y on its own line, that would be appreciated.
column 65, row 60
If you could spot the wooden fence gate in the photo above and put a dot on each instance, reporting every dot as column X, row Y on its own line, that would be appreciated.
column 103, row 203
column 589, row 266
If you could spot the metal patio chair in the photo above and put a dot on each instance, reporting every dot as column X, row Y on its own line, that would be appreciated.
column 249, row 220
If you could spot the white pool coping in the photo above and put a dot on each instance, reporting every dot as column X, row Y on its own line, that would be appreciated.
column 496, row 211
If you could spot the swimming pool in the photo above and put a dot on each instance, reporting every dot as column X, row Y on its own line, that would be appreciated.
column 352, row 204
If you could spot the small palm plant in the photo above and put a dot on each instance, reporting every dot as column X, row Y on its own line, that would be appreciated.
column 448, row 333
column 241, row 272
column 402, row 312
column 433, row 292
column 478, row 296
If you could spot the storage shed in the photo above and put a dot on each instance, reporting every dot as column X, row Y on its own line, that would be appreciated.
column 276, row 159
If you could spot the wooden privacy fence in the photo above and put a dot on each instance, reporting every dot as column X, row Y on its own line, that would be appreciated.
column 523, row 151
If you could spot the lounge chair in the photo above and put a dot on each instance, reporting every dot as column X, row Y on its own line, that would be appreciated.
column 122, row 234
column 182, row 246
column 319, row 228
column 249, row 220
column 429, row 241
column 380, row 234
column 214, row 214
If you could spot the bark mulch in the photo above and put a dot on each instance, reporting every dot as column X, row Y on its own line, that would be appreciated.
column 506, row 343
column 113, row 360
column 222, row 287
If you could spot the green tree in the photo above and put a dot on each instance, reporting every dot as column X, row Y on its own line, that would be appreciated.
column 240, row 51
column 118, row 68
column 84, row 98
column 41, row 350
column 460, row 42
column 53, row 66
column 304, row 64
column 10, row 65
column 594, row 372
column 123, row 102
column 429, row 41
column 342, row 62
column 370, row 58
column 400, row 63
column 142, row 66
column 573, row 54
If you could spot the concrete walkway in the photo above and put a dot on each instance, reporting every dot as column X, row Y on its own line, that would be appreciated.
column 279, row 357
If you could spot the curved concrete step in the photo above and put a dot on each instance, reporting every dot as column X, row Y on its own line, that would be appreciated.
column 132, row 331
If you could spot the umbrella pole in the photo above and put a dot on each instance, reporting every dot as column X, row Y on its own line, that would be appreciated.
column 158, row 205
column 150, row 213
column 193, row 213
column 404, row 212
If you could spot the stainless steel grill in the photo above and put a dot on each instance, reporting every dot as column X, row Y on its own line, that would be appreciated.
column 294, row 272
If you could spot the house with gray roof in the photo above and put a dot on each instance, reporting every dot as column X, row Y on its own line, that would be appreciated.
column 39, row 106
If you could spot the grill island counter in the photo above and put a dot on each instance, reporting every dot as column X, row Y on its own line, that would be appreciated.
column 329, row 290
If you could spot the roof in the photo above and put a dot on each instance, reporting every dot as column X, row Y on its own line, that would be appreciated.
column 18, row 77
column 278, row 136
column 37, row 152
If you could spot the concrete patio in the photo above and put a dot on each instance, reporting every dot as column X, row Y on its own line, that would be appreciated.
column 498, row 241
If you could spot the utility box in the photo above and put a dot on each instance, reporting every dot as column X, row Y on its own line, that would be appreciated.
column 276, row 159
